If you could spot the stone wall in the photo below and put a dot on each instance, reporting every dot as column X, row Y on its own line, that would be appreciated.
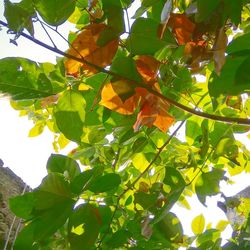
column 10, row 185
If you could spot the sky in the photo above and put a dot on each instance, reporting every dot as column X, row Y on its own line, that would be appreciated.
column 27, row 157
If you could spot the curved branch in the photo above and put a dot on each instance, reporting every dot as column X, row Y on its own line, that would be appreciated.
column 236, row 120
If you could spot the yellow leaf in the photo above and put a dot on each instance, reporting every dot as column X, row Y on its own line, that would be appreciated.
column 198, row 224
column 221, row 225
column 140, row 162
column 209, row 226
column 37, row 129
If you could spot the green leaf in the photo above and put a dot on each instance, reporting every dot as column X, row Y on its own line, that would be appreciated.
column 64, row 165
column 145, row 200
column 105, row 183
column 220, row 130
column 70, row 115
column 114, row 12
column 23, row 79
column 170, row 228
column 226, row 147
column 193, row 129
column 22, row 206
column 198, row 224
column 55, row 12
column 145, row 5
column 125, row 66
column 207, row 184
column 25, row 239
column 205, row 9
column 53, row 190
column 233, row 80
column 182, row 80
column 233, row 9
column 175, row 182
column 83, row 228
column 144, row 39
column 83, row 180
column 93, row 114
column 139, row 144
column 210, row 237
column 118, row 239
column 51, row 206
column 19, row 15
column 239, row 44
column 51, row 220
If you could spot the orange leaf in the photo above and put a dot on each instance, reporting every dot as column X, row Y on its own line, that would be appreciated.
column 153, row 112
column 182, row 27
column 85, row 46
column 147, row 66
column 111, row 100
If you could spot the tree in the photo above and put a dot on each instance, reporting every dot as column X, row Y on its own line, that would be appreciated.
column 116, row 92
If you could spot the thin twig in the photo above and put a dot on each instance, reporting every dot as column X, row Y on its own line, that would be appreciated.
column 241, row 121
column 47, row 33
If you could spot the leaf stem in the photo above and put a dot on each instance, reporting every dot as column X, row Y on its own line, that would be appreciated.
column 242, row 121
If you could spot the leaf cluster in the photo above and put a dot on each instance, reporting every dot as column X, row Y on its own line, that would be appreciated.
column 122, row 92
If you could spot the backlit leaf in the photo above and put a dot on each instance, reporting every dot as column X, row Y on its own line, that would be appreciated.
column 64, row 165
column 240, row 43
column 111, row 100
column 70, row 115
column 85, row 46
column 170, row 227
column 207, row 184
column 15, row 81
column 37, row 129
column 182, row 26
column 153, row 111
column 19, row 15
column 83, row 228
column 198, row 224
column 148, row 67
column 233, row 79
column 143, row 39
column 55, row 12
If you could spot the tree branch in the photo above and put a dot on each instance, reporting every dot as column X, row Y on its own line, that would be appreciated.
column 241, row 121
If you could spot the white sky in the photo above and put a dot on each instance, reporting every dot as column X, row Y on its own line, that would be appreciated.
column 27, row 157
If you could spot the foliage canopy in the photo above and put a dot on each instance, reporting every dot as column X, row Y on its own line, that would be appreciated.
column 116, row 92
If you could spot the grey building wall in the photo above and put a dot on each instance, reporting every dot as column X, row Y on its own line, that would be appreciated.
column 10, row 185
